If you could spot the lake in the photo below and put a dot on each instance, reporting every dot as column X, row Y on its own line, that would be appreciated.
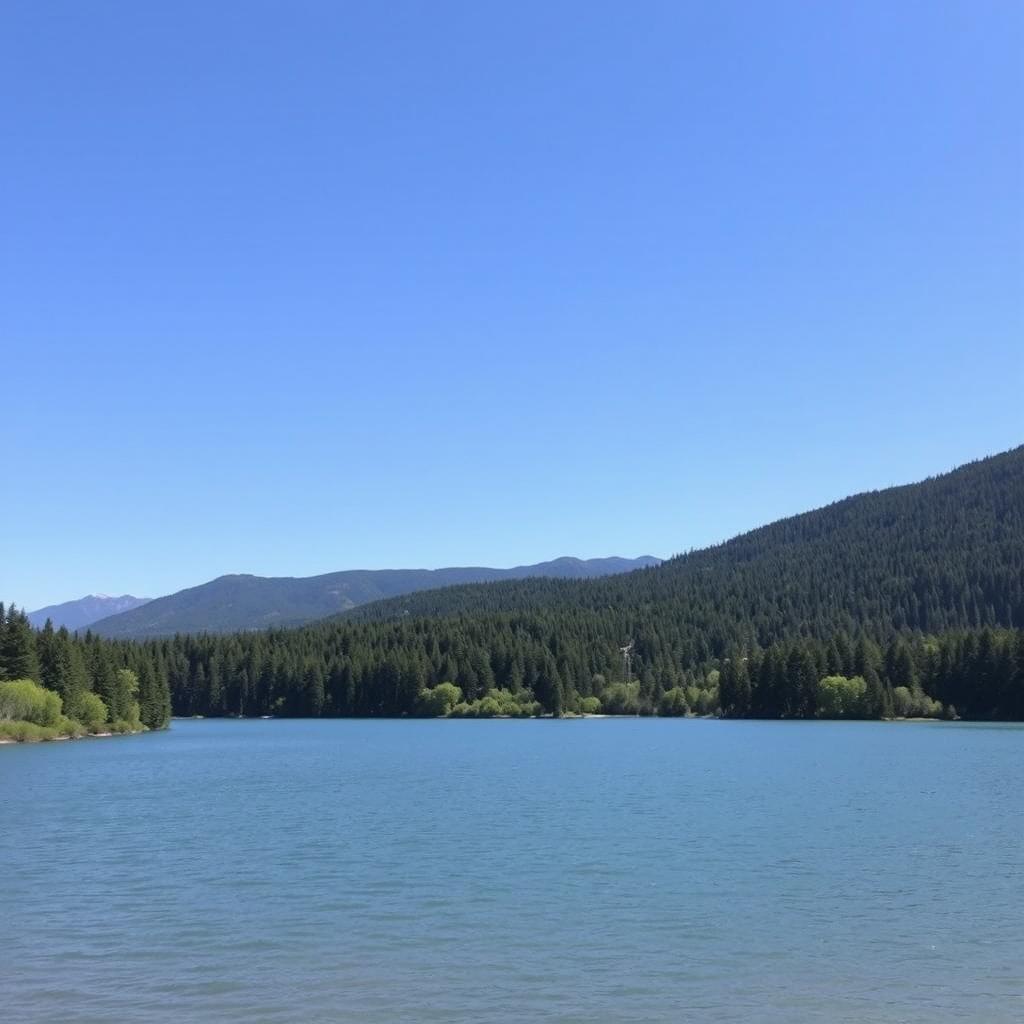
column 599, row 870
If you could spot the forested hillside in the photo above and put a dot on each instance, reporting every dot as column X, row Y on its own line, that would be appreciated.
column 239, row 602
column 943, row 554
column 906, row 601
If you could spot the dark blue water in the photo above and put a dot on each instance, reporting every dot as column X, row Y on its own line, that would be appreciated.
column 626, row 870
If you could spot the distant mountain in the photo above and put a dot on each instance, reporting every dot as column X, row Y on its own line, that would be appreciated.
column 85, row 611
column 235, row 603
column 917, row 591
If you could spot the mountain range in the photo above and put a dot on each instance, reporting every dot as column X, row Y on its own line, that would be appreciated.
column 242, row 602
column 85, row 611
column 916, row 591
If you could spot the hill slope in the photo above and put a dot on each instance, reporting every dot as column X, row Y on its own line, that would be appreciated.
column 907, row 601
column 85, row 611
column 235, row 603
column 941, row 554
column 881, row 587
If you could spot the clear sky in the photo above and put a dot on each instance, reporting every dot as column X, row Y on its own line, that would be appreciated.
column 293, row 287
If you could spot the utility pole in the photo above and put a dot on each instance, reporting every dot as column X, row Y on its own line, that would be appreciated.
column 627, row 660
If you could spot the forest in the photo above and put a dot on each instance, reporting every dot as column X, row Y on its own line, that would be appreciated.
column 55, row 684
column 510, row 665
column 897, row 603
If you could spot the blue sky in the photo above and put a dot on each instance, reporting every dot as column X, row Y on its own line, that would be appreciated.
column 287, row 288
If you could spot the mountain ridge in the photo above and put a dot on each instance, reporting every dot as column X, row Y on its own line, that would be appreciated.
column 974, row 511
column 84, row 611
column 913, row 594
column 916, row 591
column 237, row 602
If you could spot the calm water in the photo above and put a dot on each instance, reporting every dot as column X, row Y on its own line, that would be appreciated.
column 634, row 870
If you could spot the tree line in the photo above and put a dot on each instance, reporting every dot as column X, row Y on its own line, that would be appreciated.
column 515, row 664
column 907, row 601
column 56, row 683
column 931, row 557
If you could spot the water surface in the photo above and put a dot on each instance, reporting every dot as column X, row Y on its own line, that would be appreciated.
column 602, row 870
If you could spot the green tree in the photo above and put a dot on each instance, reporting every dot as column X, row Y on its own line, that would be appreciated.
column 154, row 699
column 124, row 707
column 22, row 700
column 673, row 704
column 88, row 709
column 17, row 647
column 440, row 700
column 839, row 697
column 802, row 682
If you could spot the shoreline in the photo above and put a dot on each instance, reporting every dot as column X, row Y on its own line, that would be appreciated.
column 6, row 741
column 568, row 717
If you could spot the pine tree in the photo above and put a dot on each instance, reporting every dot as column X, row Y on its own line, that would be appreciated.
column 801, row 683
column 314, row 679
column 77, row 683
column 51, row 670
column 734, row 693
column 877, row 699
column 17, row 647
column 102, row 671
column 766, row 697
column 154, row 697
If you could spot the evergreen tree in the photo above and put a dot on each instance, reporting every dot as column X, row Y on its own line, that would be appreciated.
column 154, row 698
column 801, row 683
column 17, row 647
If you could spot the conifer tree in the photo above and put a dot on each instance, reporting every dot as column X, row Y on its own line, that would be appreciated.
column 17, row 647
column 802, row 683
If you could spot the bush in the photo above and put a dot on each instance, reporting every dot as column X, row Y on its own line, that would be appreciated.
column 507, row 702
column 590, row 706
column 134, row 719
column 70, row 727
column 439, row 701
column 495, row 703
column 26, row 732
column 123, row 725
column 622, row 699
column 707, row 701
column 487, row 707
column 22, row 700
column 30, row 713
column 902, row 702
column 839, row 697
column 914, row 704
column 673, row 704
column 29, row 732
column 89, row 709
column 123, row 701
